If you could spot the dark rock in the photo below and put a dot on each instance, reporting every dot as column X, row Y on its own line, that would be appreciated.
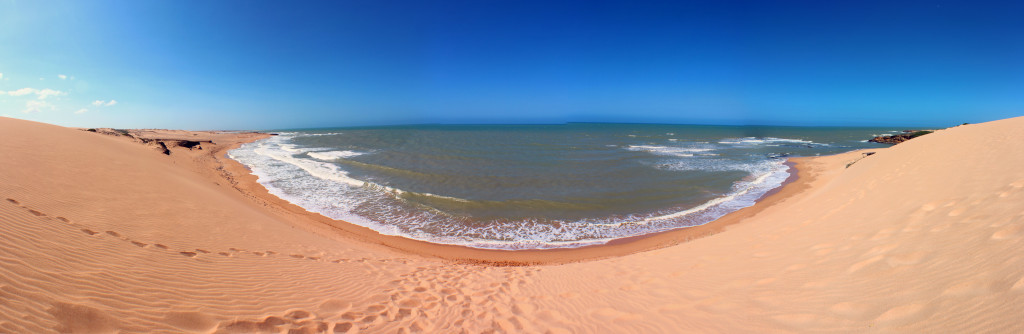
column 896, row 139
column 189, row 144
column 163, row 148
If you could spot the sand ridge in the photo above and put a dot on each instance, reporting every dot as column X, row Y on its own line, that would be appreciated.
column 103, row 235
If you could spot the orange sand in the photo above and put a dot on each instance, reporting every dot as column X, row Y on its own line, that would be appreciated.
column 102, row 234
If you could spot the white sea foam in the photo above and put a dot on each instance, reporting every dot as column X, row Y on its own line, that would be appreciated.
column 667, row 150
column 766, row 140
column 318, row 187
column 279, row 152
column 334, row 155
column 315, row 134
column 291, row 148
column 773, row 176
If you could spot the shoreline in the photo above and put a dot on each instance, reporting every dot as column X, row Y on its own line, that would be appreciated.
column 245, row 182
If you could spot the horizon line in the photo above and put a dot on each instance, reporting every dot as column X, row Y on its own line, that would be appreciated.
column 398, row 125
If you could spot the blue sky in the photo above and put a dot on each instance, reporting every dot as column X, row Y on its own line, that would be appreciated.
column 261, row 65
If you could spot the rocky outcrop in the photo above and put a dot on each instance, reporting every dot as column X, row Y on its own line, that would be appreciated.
column 896, row 139
column 189, row 144
column 164, row 145
column 160, row 144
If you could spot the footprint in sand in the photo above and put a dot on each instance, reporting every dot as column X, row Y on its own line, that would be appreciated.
column 161, row 246
column 298, row 314
column 73, row 318
column 409, row 302
column 334, row 306
column 351, row 315
column 369, row 319
column 342, row 327
column 190, row 321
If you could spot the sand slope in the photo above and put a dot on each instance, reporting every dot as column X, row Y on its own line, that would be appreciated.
column 104, row 235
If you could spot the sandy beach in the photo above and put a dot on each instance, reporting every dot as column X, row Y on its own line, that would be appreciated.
column 104, row 233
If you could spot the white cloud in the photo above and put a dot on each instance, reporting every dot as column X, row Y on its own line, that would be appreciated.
column 101, row 103
column 81, row 111
column 62, row 77
column 20, row 92
column 41, row 94
column 37, row 106
column 1, row 75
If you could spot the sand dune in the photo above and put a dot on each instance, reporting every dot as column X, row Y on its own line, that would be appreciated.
column 101, row 234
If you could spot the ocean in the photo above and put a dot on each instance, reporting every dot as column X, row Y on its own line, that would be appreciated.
column 535, row 186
